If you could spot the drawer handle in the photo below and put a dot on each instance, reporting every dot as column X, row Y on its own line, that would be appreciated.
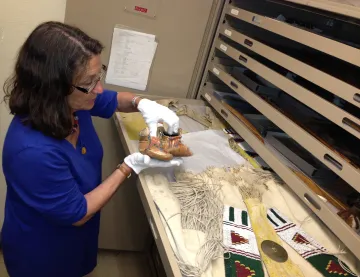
column 357, row 97
column 333, row 161
column 243, row 59
column 256, row 19
column 312, row 201
column 233, row 84
column 248, row 42
column 351, row 124
column 224, row 113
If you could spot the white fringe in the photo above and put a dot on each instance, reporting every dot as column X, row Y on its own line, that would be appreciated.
column 201, row 203
column 202, row 206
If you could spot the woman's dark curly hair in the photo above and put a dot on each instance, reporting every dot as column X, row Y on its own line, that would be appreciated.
column 51, row 59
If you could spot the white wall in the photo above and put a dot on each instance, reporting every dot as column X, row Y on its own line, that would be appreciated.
column 17, row 19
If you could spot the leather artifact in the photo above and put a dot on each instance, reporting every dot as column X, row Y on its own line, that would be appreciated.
column 151, row 146
column 163, row 147
column 173, row 144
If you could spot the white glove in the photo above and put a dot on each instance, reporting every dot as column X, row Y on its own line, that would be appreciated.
column 154, row 113
column 139, row 162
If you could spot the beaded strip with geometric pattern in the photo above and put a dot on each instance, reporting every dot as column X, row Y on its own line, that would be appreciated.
column 305, row 245
column 243, row 257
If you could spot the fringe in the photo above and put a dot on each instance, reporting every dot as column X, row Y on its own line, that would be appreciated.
column 201, row 205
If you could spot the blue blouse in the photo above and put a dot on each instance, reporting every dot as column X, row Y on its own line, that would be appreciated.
column 46, row 183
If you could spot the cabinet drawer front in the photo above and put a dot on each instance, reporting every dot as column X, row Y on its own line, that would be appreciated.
column 323, row 44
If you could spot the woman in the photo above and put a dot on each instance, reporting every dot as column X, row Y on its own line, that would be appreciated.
column 52, row 155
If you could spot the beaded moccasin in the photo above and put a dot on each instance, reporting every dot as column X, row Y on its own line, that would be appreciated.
column 173, row 144
column 151, row 146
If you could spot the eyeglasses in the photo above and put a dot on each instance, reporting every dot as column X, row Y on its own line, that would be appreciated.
column 93, row 85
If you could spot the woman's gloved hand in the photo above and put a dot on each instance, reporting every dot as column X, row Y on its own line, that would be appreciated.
column 139, row 162
column 154, row 113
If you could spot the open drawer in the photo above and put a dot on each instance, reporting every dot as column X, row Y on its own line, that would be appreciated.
column 295, row 182
column 156, row 225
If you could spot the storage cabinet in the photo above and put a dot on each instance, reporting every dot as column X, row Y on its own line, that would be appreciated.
column 299, row 67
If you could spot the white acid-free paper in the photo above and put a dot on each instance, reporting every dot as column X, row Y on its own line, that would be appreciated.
column 131, row 57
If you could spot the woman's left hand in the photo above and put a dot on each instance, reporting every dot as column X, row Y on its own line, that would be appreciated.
column 154, row 113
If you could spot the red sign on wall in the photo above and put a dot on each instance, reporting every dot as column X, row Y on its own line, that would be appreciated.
column 141, row 9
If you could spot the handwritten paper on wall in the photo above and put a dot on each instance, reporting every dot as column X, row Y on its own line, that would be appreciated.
column 131, row 56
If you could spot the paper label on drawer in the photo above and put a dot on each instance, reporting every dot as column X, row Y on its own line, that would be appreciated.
column 223, row 47
column 234, row 11
column 228, row 33
column 216, row 71
column 207, row 97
